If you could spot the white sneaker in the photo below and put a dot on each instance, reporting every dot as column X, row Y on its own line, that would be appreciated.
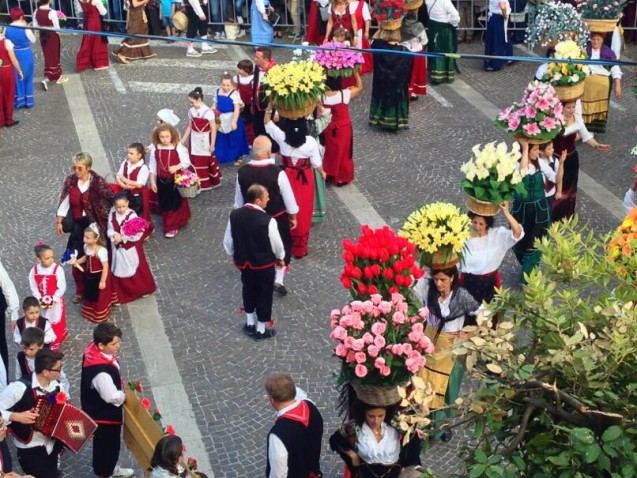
column 240, row 20
column 205, row 48
column 218, row 36
column 122, row 472
column 191, row 52
column 241, row 34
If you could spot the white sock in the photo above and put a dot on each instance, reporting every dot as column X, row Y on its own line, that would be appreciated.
column 250, row 319
column 261, row 327
column 279, row 275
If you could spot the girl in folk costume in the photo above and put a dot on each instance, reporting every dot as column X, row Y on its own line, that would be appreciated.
column 22, row 38
column 99, row 292
column 202, row 133
column 8, row 62
column 300, row 153
column 342, row 15
column 168, row 116
column 339, row 139
column 50, row 41
column 167, row 156
column 132, row 176
column 232, row 142
column 93, row 52
column 363, row 21
column 48, row 285
column 242, row 81
column 131, row 273
column 137, row 24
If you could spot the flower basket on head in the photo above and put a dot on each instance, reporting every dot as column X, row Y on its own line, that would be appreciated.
column 295, row 87
column 380, row 396
column 608, row 11
column 538, row 116
column 338, row 60
column 187, row 183
column 567, row 78
column 601, row 25
column 413, row 5
column 551, row 23
column 492, row 177
column 388, row 13
column 439, row 231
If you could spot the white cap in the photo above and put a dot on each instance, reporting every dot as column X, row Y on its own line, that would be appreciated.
column 168, row 116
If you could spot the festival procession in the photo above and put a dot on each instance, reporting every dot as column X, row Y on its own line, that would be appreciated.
column 318, row 239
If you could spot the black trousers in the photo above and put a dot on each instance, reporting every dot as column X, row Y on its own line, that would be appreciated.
column 258, row 286
column 37, row 462
column 195, row 24
column 106, row 445
column 258, row 126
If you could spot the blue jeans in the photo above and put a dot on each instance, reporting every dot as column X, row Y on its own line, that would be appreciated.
column 116, row 12
column 238, row 7
column 215, row 7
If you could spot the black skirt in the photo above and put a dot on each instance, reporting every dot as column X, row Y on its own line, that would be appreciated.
column 168, row 196
column 76, row 239
column 91, row 286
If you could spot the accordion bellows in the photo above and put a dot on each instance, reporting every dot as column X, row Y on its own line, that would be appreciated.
column 65, row 422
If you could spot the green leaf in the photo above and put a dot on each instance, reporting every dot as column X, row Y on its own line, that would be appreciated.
column 592, row 453
column 481, row 456
column 584, row 435
column 612, row 433
column 518, row 462
column 561, row 460
column 477, row 470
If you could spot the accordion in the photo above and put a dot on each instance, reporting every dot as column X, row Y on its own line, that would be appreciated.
column 65, row 422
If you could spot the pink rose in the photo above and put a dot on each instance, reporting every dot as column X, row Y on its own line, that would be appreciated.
column 346, row 321
column 385, row 371
column 385, row 307
column 415, row 336
column 358, row 344
column 368, row 338
column 397, row 298
column 379, row 363
column 423, row 312
column 373, row 351
column 360, row 357
column 348, row 342
column 398, row 318
column 339, row 333
column 379, row 328
column 397, row 349
column 360, row 370
column 368, row 307
column 376, row 298
column 418, row 328
column 356, row 305
column 427, row 345
column 335, row 314
column 357, row 322
column 351, row 357
column 341, row 350
column 407, row 349
column 379, row 341
column 403, row 307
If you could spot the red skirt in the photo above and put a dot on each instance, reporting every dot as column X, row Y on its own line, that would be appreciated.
column 368, row 66
column 61, row 332
column 51, row 53
column 139, row 284
column 93, row 52
column 175, row 220
column 100, row 310
column 313, row 34
column 7, row 93
column 418, row 81
column 304, row 195
column 339, row 147
column 207, row 168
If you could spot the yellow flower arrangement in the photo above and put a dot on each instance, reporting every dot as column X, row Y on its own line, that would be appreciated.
column 293, row 84
column 567, row 74
column 622, row 249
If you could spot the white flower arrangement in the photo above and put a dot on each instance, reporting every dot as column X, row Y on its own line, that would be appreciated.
column 550, row 23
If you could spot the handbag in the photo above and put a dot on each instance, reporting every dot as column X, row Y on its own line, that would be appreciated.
column 324, row 11
column 68, row 222
column 273, row 17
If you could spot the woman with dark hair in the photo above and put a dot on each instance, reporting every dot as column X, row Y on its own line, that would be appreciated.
column 339, row 138
column 370, row 446
column 136, row 24
column 165, row 462
column 93, row 52
column 86, row 198
column 44, row 16
column 300, row 153
column 449, row 306
column 485, row 253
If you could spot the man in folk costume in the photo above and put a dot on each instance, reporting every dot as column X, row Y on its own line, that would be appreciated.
column 294, row 442
column 252, row 238
column 264, row 62
column 37, row 454
column 282, row 205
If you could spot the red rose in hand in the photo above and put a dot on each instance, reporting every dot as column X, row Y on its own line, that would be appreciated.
column 417, row 272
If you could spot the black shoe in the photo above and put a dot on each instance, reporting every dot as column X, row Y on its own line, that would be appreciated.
column 249, row 330
column 447, row 436
column 13, row 123
column 268, row 334
column 280, row 289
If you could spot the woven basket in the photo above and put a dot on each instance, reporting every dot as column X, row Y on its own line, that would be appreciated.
column 481, row 208
column 189, row 192
column 570, row 93
column 391, row 24
column 413, row 5
column 441, row 259
column 376, row 395
column 297, row 112
column 531, row 140
column 600, row 25
column 180, row 20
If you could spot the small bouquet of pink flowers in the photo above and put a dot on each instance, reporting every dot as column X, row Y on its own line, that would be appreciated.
column 538, row 116
column 186, row 179
column 61, row 16
column 338, row 60
column 46, row 302
column 377, row 341
column 134, row 226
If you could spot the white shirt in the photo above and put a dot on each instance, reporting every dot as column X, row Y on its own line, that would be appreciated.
column 386, row 451
column 102, row 253
column 443, row 11
column 10, row 294
column 103, row 384
column 27, row 31
column 49, row 335
column 142, row 176
column 12, row 395
column 64, row 206
column 196, row 6
column 243, row 80
column 277, row 453
column 285, row 188
column 630, row 200
column 53, row 16
column 273, row 234
column 184, row 157
column 578, row 127
column 342, row 96
column 485, row 254
column 203, row 111
column 550, row 173
column 234, row 96
column 59, row 275
column 615, row 70
column 494, row 7
column 65, row 385
column 308, row 150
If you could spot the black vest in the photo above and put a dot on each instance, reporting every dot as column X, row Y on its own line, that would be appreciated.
column 20, row 431
column 24, row 365
column 3, row 303
column 302, row 443
column 252, row 248
column 21, row 323
column 268, row 177
column 91, row 401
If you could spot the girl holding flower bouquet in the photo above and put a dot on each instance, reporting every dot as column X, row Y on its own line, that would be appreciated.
column 48, row 285
column 131, row 274
column 50, row 41
column 132, row 177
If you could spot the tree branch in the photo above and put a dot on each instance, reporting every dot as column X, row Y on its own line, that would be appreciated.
column 517, row 439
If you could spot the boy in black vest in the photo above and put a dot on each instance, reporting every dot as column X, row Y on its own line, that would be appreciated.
column 252, row 238
column 37, row 453
column 102, row 397
column 32, row 343
column 32, row 318
column 294, row 442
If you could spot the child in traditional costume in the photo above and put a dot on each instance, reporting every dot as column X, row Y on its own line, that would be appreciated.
column 231, row 142
column 33, row 318
column 242, row 81
column 133, row 176
column 48, row 285
column 50, row 41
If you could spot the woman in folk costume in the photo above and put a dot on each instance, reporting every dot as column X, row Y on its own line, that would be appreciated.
column 339, row 138
column 598, row 85
column 166, row 157
column 201, row 135
column 50, row 41
column 93, row 52
column 22, row 39
column 389, row 108
column 342, row 15
column 317, row 121
column 136, row 24
column 443, row 20
column 363, row 22
column 86, row 198
column 497, row 43
column 131, row 274
column 8, row 62
column 413, row 36
column 132, row 177
column 48, row 285
column 300, row 153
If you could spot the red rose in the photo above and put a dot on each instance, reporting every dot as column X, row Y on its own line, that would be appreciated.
column 348, row 257
column 393, row 290
column 146, row 403
column 398, row 267
column 417, row 272
column 388, row 273
column 346, row 281
column 383, row 17
column 376, row 269
column 138, row 386
column 383, row 255
column 367, row 231
column 362, row 288
column 373, row 255
column 368, row 273
column 407, row 281
column 393, row 248
column 61, row 398
column 356, row 273
column 408, row 261
column 170, row 430
column 396, row 14
column 372, row 289
column 348, row 245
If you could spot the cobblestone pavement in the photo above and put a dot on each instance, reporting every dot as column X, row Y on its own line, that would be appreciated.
column 198, row 287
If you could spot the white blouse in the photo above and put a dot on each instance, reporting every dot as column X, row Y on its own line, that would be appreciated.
column 615, row 71
column 102, row 253
column 64, row 206
column 53, row 16
column 308, row 150
column 184, row 157
column 243, row 80
column 550, row 172
column 485, row 254
column 203, row 112
column 8, row 44
column 234, row 96
column 59, row 276
column 142, row 176
column 579, row 127
column 494, row 7
column 443, row 11
column 343, row 96
column 386, row 451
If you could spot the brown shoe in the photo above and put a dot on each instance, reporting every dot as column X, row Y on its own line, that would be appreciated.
column 76, row 299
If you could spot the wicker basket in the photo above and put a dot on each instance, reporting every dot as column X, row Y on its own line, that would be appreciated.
column 189, row 192
column 413, row 5
column 391, row 24
column 297, row 112
column 531, row 140
column 570, row 93
column 481, row 208
column 376, row 395
column 180, row 20
column 600, row 25
column 441, row 259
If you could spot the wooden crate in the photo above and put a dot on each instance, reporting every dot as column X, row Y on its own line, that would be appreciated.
column 141, row 432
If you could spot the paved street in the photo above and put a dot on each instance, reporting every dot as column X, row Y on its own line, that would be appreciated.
column 216, row 388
